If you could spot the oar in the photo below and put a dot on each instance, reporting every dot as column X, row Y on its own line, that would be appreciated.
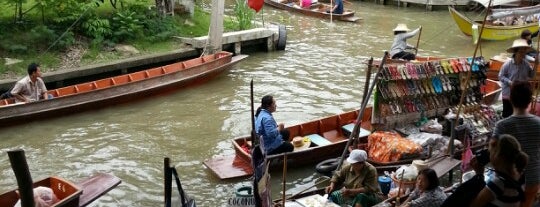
column 356, row 128
column 450, row 149
column 284, row 177
column 418, row 41
column 253, row 139
column 533, row 104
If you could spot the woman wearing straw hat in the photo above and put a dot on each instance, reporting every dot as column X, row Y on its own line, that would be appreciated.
column 515, row 69
column 401, row 34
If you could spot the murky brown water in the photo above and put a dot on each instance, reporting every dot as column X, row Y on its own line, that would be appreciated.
column 320, row 73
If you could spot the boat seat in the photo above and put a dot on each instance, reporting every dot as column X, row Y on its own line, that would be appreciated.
column 347, row 129
column 318, row 140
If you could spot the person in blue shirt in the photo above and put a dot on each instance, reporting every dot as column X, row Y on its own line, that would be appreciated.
column 338, row 7
column 275, row 138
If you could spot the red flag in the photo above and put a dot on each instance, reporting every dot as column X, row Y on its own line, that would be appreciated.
column 256, row 4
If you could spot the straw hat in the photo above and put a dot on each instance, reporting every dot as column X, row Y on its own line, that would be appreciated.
column 518, row 44
column 420, row 164
column 401, row 27
column 357, row 155
column 300, row 143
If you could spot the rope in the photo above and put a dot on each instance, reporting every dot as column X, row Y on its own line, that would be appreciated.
column 65, row 32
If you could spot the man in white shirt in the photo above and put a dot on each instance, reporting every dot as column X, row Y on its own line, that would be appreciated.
column 30, row 88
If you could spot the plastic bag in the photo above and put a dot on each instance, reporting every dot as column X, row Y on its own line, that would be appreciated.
column 43, row 197
column 466, row 156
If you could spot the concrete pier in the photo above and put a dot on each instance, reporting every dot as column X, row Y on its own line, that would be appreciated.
column 273, row 38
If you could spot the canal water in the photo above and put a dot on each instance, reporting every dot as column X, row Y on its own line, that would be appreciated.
column 320, row 73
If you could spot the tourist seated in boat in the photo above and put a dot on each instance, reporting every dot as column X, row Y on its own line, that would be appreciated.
column 514, row 69
column 338, row 7
column 305, row 3
column 399, row 46
column 31, row 88
column 275, row 138
column 356, row 183
column 505, row 187
column 527, row 35
column 428, row 192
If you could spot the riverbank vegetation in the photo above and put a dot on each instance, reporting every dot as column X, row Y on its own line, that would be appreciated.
column 70, row 33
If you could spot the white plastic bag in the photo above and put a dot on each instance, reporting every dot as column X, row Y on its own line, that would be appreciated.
column 43, row 197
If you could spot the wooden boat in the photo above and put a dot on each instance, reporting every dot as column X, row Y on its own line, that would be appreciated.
column 316, row 10
column 491, row 32
column 328, row 137
column 118, row 89
column 495, row 65
column 68, row 193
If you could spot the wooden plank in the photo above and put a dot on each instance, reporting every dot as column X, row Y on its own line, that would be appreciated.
column 443, row 165
column 227, row 167
column 96, row 186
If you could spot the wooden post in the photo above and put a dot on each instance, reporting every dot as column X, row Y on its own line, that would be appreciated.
column 216, row 27
column 168, row 181
column 24, row 179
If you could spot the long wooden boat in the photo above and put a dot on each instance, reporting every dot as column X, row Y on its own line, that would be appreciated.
column 328, row 138
column 491, row 32
column 316, row 10
column 70, row 194
column 118, row 89
column 495, row 65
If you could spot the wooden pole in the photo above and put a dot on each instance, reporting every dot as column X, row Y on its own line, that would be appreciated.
column 364, row 95
column 254, row 140
column 24, row 179
column 284, row 177
column 356, row 129
column 418, row 41
column 398, row 200
column 533, row 102
column 450, row 149
column 216, row 27
column 167, row 181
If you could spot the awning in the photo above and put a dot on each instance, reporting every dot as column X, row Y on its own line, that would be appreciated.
column 495, row 2
column 521, row 11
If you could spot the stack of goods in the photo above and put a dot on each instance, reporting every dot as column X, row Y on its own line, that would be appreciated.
column 391, row 147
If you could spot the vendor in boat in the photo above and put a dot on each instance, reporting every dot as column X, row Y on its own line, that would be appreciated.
column 358, row 181
column 527, row 35
column 427, row 193
column 516, row 68
column 275, row 138
column 399, row 47
column 338, row 7
column 30, row 88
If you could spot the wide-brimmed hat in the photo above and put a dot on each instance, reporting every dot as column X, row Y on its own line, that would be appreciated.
column 519, row 43
column 300, row 143
column 420, row 164
column 357, row 156
column 401, row 28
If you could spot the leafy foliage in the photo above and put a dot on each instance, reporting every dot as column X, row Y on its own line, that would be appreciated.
column 97, row 27
column 127, row 25
column 244, row 14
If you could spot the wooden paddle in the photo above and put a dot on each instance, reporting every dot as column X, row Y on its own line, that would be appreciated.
column 418, row 41
column 253, row 133
column 533, row 102
column 284, row 177
column 450, row 149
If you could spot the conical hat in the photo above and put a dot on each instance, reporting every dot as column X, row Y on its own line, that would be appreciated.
column 401, row 27
column 518, row 44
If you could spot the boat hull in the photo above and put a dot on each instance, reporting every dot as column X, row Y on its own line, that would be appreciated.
column 491, row 32
column 316, row 10
column 67, row 193
column 136, row 86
